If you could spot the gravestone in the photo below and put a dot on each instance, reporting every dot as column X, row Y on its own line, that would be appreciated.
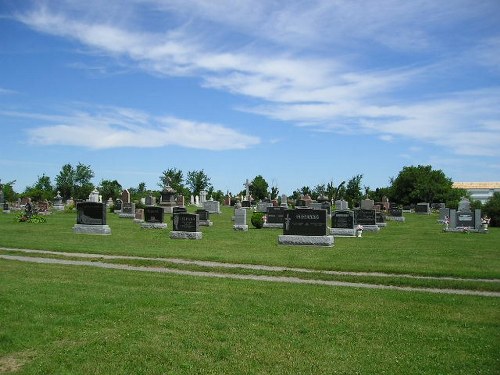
column 204, row 218
column 367, row 204
column 43, row 207
column 118, row 206
column 180, row 200
column 153, row 218
column 139, row 215
column 127, row 211
column 464, row 205
column 423, row 209
column 262, row 206
column 366, row 219
column 186, row 226
column 305, row 227
column 380, row 219
column 274, row 217
column 91, row 219
column 150, row 200
column 125, row 196
column 203, row 197
column 58, row 203
column 444, row 214
column 341, row 205
column 343, row 223
column 300, row 203
column 246, row 204
column 395, row 214
column 240, row 219
column 465, row 221
column 284, row 200
column 167, row 199
column 212, row 206
column 94, row 196
column 6, row 208
column 178, row 210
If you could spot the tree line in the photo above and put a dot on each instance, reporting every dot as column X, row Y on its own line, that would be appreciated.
column 412, row 185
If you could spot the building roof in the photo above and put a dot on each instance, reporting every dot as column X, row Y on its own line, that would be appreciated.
column 476, row 185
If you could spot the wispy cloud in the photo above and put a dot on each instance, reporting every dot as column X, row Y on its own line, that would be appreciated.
column 276, row 62
column 123, row 127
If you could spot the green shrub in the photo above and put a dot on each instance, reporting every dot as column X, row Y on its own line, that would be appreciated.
column 492, row 209
column 257, row 219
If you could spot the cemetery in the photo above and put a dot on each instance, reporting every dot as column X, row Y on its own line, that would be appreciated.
column 210, row 290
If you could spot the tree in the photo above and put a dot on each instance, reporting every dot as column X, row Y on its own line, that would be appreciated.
column 110, row 189
column 41, row 190
column 259, row 187
column 274, row 192
column 353, row 193
column 174, row 178
column 423, row 184
column 197, row 181
column 318, row 191
column 83, row 186
column 71, row 182
column 65, row 181
column 492, row 209
column 8, row 191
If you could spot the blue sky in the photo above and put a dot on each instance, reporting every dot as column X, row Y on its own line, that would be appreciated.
column 300, row 92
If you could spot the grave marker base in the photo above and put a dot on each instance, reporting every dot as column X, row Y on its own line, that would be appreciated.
column 243, row 228
column 371, row 228
column 395, row 218
column 186, row 235
column 91, row 229
column 273, row 225
column 287, row 239
column 206, row 223
column 343, row 232
column 153, row 225
column 127, row 216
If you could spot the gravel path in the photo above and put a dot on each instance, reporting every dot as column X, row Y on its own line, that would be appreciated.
column 281, row 279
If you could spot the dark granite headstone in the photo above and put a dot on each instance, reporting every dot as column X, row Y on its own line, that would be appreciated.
column 128, row 208
column 91, row 213
column 275, row 215
column 204, row 215
column 153, row 214
column 118, row 204
column 379, row 217
column 178, row 210
column 246, row 204
column 343, row 219
column 364, row 217
column 396, row 212
column 422, row 208
column 300, row 203
column 184, row 222
column 308, row 222
column 465, row 219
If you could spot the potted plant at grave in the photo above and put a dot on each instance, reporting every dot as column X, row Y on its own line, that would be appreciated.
column 257, row 219
column 359, row 230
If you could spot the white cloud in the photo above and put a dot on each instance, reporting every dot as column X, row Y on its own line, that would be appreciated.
column 122, row 127
column 275, row 60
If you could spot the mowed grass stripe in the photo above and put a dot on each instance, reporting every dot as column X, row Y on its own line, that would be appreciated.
column 282, row 279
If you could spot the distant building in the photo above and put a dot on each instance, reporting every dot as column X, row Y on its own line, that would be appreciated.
column 481, row 191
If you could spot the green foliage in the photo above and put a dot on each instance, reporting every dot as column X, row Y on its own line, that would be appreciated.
column 274, row 192
column 259, row 187
column 8, row 191
column 197, row 181
column 492, row 209
column 353, row 193
column 257, row 219
column 423, row 184
column 174, row 178
column 75, row 182
column 41, row 190
column 110, row 189
column 22, row 217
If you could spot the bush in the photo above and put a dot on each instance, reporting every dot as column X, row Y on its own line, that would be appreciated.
column 492, row 209
column 257, row 219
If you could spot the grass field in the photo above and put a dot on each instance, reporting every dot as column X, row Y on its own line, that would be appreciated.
column 57, row 319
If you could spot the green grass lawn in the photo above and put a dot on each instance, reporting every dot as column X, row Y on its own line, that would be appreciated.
column 58, row 319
